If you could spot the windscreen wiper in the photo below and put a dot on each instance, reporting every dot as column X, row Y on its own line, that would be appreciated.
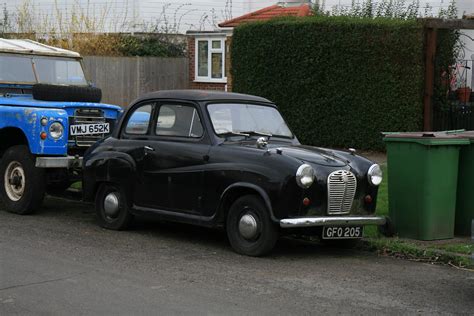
column 255, row 133
column 227, row 134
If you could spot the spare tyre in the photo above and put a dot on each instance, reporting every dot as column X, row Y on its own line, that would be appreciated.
column 51, row 92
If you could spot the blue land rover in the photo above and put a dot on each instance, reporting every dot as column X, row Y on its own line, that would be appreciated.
column 49, row 115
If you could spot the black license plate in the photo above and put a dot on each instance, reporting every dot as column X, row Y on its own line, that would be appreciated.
column 342, row 232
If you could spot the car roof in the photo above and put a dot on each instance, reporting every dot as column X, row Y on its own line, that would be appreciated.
column 29, row 47
column 201, row 95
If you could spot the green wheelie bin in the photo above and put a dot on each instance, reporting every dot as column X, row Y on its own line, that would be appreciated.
column 422, row 183
column 465, row 195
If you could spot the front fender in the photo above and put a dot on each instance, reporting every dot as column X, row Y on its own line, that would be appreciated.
column 28, row 120
column 247, row 188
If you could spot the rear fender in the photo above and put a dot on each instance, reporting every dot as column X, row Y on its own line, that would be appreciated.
column 108, row 166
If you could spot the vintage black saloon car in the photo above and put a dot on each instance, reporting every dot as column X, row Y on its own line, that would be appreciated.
column 227, row 160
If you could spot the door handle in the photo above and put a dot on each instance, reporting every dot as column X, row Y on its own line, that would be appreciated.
column 148, row 148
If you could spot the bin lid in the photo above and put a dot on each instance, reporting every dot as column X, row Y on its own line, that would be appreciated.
column 460, row 134
column 466, row 134
column 428, row 138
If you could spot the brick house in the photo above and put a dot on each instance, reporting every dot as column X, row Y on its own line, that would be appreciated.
column 209, row 51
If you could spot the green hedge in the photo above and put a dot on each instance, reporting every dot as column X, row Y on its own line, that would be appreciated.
column 338, row 81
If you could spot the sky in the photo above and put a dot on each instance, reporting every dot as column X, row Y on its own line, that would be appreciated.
column 180, row 14
column 172, row 15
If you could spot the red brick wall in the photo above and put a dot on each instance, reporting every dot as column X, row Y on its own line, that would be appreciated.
column 207, row 85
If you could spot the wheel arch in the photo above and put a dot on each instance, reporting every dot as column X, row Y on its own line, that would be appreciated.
column 236, row 190
column 108, row 167
column 12, row 136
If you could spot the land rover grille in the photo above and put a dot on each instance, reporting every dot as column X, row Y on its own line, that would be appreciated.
column 87, row 116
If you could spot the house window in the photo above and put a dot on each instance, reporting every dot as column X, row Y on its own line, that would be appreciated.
column 210, row 60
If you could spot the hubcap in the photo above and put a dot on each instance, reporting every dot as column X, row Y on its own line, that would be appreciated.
column 111, row 205
column 14, row 181
column 248, row 226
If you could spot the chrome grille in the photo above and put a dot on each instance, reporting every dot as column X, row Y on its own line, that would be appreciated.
column 342, row 187
column 86, row 116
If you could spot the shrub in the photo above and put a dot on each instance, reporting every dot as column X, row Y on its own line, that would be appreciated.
column 339, row 81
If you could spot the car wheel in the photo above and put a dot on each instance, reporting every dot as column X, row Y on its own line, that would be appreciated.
column 249, row 227
column 112, row 207
column 22, row 186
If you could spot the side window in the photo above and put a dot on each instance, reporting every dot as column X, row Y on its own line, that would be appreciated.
column 178, row 120
column 139, row 121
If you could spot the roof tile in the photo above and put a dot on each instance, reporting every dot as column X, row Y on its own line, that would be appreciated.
column 268, row 13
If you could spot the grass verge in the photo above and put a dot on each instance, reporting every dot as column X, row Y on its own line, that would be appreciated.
column 456, row 252
column 422, row 252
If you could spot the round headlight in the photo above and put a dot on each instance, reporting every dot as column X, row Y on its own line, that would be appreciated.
column 56, row 130
column 305, row 176
column 374, row 175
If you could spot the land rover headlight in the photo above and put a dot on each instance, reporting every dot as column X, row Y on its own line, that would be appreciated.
column 374, row 175
column 305, row 176
column 56, row 130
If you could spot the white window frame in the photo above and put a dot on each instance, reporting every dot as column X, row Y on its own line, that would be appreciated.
column 210, row 51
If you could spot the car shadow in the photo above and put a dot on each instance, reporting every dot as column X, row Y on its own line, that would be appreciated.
column 287, row 246
column 189, row 236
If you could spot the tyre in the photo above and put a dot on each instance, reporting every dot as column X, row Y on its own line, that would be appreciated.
column 51, row 92
column 112, row 207
column 22, row 184
column 249, row 227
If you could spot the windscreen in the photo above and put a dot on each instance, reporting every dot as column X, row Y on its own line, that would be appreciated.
column 59, row 71
column 242, row 118
column 16, row 69
column 50, row 70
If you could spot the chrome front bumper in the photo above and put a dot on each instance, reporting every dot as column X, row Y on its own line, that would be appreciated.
column 59, row 162
column 332, row 220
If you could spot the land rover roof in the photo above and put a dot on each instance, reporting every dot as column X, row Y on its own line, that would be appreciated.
column 29, row 47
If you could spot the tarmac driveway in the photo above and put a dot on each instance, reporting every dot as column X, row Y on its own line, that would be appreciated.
column 60, row 262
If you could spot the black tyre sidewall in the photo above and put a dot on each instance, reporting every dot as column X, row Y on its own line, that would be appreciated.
column 268, row 231
column 124, row 218
column 34, row 181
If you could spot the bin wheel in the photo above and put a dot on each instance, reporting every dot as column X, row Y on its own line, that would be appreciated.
column 388, row 230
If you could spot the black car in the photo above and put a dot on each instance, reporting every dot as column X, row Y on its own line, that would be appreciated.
column 227, row 160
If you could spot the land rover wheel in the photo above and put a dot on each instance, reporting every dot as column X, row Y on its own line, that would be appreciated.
column 22, row 184
column 112, row 207
column 249, row 227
